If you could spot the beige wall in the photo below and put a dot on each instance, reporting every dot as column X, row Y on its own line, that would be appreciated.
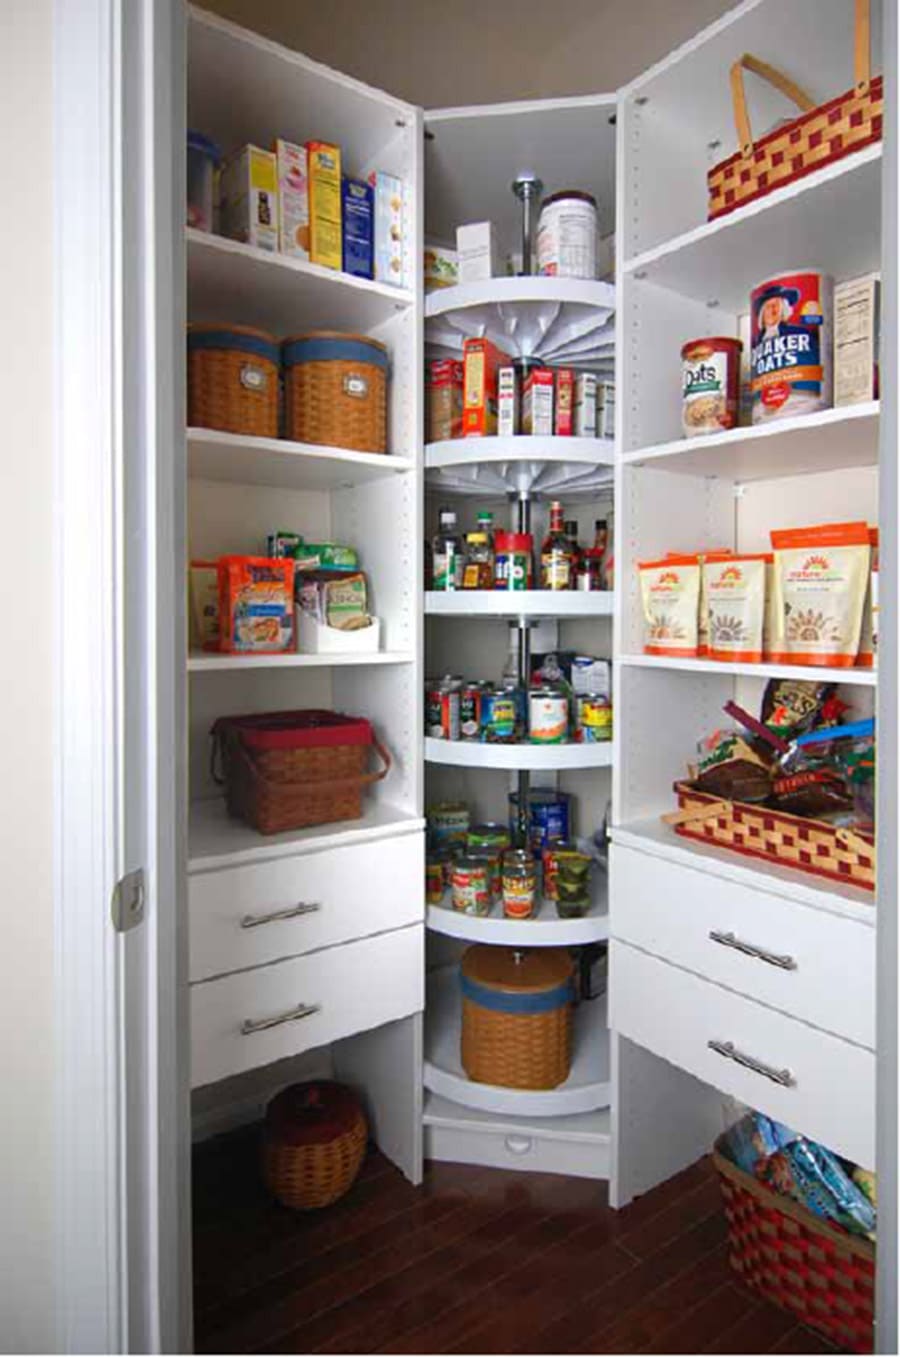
column 438, row 54
column 26, row 531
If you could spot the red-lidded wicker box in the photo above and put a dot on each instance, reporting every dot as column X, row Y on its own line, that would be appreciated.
column 812, row 846
column 824, row 1277
column 290, row 769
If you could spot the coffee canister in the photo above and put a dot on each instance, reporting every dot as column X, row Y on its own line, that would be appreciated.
column 517, row 1016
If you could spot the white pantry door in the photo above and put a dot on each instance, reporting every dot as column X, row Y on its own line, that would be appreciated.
column 123, row 1108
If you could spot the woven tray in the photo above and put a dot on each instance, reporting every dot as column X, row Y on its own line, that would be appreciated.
column 787, row 840
column 804, row 1265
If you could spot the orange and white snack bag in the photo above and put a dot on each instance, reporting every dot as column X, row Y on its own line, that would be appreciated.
column 821, row 578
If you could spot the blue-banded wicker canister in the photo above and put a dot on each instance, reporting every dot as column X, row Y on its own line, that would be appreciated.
column 517, row 1016
column 335, row 390
column 233, row 379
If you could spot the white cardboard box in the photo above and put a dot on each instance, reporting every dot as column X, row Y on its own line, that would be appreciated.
column 314, row 638
column 477, row 251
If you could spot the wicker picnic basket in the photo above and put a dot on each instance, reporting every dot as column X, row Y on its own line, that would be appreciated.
column 233, row 378
column 517, row 1016
column 824, row 1277
column 843, row 855
column 314, row 1143
column 820, row 135
column 335, row 390
column 287, row 770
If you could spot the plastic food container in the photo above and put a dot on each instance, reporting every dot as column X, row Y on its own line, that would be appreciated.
column 203, row 157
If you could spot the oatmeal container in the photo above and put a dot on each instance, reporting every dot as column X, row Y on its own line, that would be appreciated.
column 710, row 385
column 790, row 345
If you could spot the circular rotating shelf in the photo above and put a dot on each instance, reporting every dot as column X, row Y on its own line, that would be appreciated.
column 545, row 467
column 522, row 757
column 587, row 1087
column 474, row 603
column 547, row 929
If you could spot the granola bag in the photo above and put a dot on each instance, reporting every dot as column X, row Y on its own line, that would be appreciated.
column 821, row 578
column 670, row 594
column 734, row 589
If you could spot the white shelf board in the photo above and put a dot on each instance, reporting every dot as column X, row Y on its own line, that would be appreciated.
column 660, row 840
column 866, row 678
column 535, row 289
column 475, row 603
column 214, row 455
column 831, row 219
column 220, row 664
column 530, row 448
column 586, row 1089
column 546, row 930
column 228, row 281
column 825, row 441
column 215, row 840
column 533, row 757
column 543, row 467
column 579, row 1128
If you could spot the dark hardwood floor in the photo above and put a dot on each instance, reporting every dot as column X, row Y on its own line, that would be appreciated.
column 475, row 1261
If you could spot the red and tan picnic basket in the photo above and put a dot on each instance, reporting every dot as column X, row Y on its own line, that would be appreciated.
column 821, row 1275
column 820, row 135
column 289, row 769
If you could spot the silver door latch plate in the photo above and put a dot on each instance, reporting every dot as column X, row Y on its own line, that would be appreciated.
column 128, row 901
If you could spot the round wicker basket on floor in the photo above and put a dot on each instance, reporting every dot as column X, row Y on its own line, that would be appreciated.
column 313, row 1145
column 517, row 1016
column 233, row 379
column 335, row 390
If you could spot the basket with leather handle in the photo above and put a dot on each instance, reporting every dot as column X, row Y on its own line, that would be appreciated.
column 820, row 135
column 288, row 770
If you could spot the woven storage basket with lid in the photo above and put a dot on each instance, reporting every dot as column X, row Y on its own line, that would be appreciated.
column 517, row 1016
column 335, row 390
column 313, row 1144
column 233, row 379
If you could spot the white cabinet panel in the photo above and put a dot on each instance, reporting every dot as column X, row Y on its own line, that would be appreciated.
column 827, row 975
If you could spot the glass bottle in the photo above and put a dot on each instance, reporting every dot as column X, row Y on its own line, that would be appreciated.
column 479, row 567
column 447, row 553
column 571, row 530
column 601, row 544
column 556, row 553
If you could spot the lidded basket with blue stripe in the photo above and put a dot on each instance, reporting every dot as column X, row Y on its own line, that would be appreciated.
column 233, row 379
column 335, row 390
column 517, row 1006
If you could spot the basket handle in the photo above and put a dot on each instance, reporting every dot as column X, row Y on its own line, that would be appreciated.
column 361, row 780
column 862, row 66
column 694, row 813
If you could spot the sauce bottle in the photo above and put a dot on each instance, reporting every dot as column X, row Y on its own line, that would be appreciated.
column 447, row 553
column 556, row 553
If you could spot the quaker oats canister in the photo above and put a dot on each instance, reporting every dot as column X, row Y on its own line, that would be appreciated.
column 790, row 345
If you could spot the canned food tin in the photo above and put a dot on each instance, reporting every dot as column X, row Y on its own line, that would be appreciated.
column 470, row 697
column 448, row 823
column 567, row 235
column 442, row 710
column 710, row 385
column 492, row 834
column 498, row 717
column 471, row 893
column 550, row 866
column 594, row 718
column 434, row 879
column 548, row 716
column 492, row 859
column 519, row 885
column 513, row 560
column 548, row 817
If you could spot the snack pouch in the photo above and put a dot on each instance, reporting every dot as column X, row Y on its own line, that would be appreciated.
column 791, row 707
column 256, row 605
column 670, row 593
column 772, row 635
column 204, row 629
column 821, row 576
column 703, row 608
column 734, row 588
column 729, row 767
column 868, row 640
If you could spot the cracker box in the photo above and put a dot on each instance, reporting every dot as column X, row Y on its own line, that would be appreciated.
column 441, row 267
column 606, row 409
column 481, row 363
column 585, row 407
column 507, row 402
column 293, row 199
column 444, row 404
column 537, row 401
column 324, row 165
column 391, row 264
column 248, row 196
column 357, row 212
column 565, row 402
column 477, row 251
column 856, row 334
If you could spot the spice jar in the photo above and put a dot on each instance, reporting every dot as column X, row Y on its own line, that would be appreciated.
column 519, row 885
column 471, row 888
column 573, row 894
column 434, row 879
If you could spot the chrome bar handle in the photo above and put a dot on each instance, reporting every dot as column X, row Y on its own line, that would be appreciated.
column 785, row 963
column 254, row 920
column 251, row 1025
column 730, row 1052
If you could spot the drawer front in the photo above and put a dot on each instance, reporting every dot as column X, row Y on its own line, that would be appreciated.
column 242, row 1021
column 532, row 1153
column 247, row 916
column 816, row 966
column 676, row 1015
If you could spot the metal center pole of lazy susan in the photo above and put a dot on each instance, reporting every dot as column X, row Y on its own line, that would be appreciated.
column 523, row 808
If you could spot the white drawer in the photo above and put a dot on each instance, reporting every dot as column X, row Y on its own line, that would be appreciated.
column 531, row 1152
column 247, row 916
column 672, row 911
column 347, row 989
column 676, row 1015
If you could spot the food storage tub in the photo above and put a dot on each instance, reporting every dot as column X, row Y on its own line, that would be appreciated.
column 517, row 1016
column 203, row 157
column 335, row 390
column 233, row 379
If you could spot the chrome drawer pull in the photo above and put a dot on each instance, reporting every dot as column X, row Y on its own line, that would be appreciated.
column 249, row 1025
column 785, row 963
column 730, row 1052
column 254, row 920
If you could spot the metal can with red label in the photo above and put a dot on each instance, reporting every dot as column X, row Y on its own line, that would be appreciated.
column 471, row 886
column 470, row 695
column 790, row 345
column 442, row 710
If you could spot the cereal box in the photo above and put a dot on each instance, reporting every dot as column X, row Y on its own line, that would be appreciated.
column 293, row 199
column 391, row 264
column 204, row 615
column 248, row 195
column 507, row 402
column 537, row 401
column 565, row 402
column 256, row 604
column 357, row 206
column 585, row 410
column 444, row 404
column 324, row 165
column 606, row 409
column 441, row 267
column 856, row 327
column 481, row 362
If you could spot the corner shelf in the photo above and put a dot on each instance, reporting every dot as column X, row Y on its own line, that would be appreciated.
column 544, row 467
column 587, row 1088
column 531, row 757
column 547, row 929
column 474, row 603
column 243, row 459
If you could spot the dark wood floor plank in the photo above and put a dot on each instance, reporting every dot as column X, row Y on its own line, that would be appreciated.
column 758, row 1331
column 800, row 1339
column 652, row 1234
column 701, row 1324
